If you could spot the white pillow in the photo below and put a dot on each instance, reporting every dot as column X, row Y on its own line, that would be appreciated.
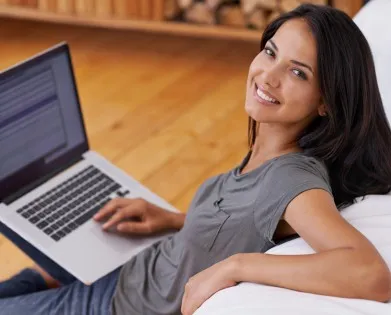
column 374, row 21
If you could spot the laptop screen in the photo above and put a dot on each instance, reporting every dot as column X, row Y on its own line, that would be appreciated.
column 41, row 125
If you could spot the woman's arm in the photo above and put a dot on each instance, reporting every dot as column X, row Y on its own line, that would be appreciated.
column 177, row 219
column 345, row 264
column 343, row 272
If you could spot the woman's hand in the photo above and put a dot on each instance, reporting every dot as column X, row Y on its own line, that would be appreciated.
column 138, row 216
column 204, row 284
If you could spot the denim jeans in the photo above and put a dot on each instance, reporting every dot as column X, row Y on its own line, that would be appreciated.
column 27, row 293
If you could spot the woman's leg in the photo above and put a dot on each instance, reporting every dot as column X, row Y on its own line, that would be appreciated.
column 52, row 268
column 25, row 282
column 75, row 298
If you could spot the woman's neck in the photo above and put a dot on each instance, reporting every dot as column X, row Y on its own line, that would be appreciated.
column 272, row 141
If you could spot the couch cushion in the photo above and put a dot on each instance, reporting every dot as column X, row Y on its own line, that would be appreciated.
column 374, row 21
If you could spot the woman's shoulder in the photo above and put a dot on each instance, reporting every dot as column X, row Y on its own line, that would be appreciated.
column 299, row 167
column 299, row 159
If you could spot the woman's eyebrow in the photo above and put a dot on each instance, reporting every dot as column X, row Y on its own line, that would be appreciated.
column 303, row 65
column 273, row 44
column 293, row 61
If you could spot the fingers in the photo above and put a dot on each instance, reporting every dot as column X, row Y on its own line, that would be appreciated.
column 122, row 214
column 141, row 228
column 111, row 207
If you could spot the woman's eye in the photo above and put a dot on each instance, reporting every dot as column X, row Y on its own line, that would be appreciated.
column 300, row 74
column 269, row 52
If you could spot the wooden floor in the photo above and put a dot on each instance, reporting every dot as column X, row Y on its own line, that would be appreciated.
column 168, row 110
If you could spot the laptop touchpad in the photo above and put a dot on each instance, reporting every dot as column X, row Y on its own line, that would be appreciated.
column 117, row 242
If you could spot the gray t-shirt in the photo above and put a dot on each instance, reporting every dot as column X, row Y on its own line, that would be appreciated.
column 230, row 213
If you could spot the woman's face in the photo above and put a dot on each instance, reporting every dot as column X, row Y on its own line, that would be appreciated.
column 282, row 85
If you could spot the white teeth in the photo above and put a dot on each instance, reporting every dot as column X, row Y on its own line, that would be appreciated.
column 265, row 97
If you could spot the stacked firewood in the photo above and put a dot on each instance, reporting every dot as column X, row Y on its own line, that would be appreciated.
column 244, row 13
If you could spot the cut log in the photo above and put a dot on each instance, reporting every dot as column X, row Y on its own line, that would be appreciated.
column 248, row 6
column 171, row 9
column 350, row 7
column 231, row 16
column 213, row 4
column 288, row 5
column 273, row 15
column 319, row 2
column 268, row 4
column 199, row 13
column 184, row 4
column 258, row 18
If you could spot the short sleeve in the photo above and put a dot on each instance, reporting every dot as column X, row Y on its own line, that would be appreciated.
column 287, row 179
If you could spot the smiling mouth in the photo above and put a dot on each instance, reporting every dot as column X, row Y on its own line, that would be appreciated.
column 264, row 97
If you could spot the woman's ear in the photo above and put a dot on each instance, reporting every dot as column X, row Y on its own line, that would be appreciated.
column 322, row 110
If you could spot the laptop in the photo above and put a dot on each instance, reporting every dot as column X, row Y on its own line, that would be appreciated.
column 51, row 183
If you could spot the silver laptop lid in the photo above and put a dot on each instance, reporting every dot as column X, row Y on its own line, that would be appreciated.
column 41, row 124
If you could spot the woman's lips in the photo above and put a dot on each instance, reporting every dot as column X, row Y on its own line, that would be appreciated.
column 261, row 100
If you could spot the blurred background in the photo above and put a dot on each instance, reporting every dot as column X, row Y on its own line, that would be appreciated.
column 162, row 82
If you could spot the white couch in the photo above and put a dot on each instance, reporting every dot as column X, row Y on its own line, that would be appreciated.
column 372, row 217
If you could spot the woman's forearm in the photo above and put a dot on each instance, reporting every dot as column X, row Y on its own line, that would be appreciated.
column 340, row 272
column 176, row 220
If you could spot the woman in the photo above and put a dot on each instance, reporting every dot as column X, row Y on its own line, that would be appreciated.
column 318, row 139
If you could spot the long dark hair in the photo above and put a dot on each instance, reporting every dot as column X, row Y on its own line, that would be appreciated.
column 354, row 139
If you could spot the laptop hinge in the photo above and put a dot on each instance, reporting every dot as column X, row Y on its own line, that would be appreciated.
column 25, row 190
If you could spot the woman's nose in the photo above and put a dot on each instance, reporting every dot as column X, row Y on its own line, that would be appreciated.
column 271, row 77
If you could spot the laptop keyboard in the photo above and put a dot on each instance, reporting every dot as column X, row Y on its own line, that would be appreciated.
column 64, row 208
